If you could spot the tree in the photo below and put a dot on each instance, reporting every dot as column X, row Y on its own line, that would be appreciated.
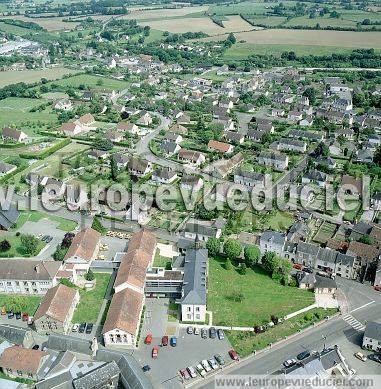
column 311, row 94
column 97, row 226
column 4, row 245
column 228, row 265
column 213, row 245
column 114, row 169
column 89, row 276
column 242, row 269
column 270, row 261
column 377, row 156
column 252, row 255
column 232, row 249
column 17, row 303
column 29, row 244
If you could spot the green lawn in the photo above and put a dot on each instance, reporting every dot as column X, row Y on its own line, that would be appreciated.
column 262, row 296
column 90, row 302
column 35, row 216
column 246, row 342
column 17, row 379
column 279, row 221
column 22, row 303
column 16, row 249
column 160, row 261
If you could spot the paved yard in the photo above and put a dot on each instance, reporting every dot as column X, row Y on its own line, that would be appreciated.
column 115, row 245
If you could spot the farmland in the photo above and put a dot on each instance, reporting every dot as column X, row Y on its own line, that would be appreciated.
column 30, row 76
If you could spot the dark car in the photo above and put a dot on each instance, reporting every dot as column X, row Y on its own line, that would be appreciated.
column 164, row 340
column 82, row 328
column 204, row 333
column 49, row 239
column 173, row 341
column 10, row 315
column 212, row 333
column 146, row 368
column 36, row 347
column 220, row 334
column 219, row 359
column 303, row 355
column 308, row 270
column 375, row 358
column 89, row 328
column 18, row 315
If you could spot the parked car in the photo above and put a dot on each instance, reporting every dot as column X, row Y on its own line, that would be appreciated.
column 213, row 364
column 289, row 362
column 200, row 370
column 185, row 374
column 89, row 328
column 36, row 347
column 148, row 339
column 378, row 288
column 146, row 368
column 196, row 331
column 219, row 359
column 18, row 315
column 212, row 333
column 303, row 355
column 192, row 371
column 10, row 314
column 233, row 355
column 49, row 239
column 361, row 356
column 30, row 320
column 164, row 340
column 206, row 365
column 220, row 334
column 204, row 333
column 75, row 327
column 190, row 330
column 173, row 341
column 375, row 357
column 308, row 270
column 155, row 352
column 297, row 266
column 25, row 316
column 82, row 328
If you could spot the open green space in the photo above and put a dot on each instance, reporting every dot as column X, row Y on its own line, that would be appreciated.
column 17, row 249
column 20, row 303
column 246, row 343
column 250, row 299
column 160, row 261
column 87, row 310
column 36, row 216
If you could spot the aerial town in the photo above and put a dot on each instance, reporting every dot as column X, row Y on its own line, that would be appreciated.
column 189, row 192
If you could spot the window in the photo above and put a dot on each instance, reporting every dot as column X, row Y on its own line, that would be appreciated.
column 197, row 309
column 189, row 309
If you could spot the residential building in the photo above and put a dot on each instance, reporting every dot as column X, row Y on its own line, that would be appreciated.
column 277, row 161
column 14, row 135
column 272, row 241
column 56, row 310
column 164, row 176
column 203, row 230
column 192, row 157
column 139, row 167
column 8, row 217
column 127, row 127
column 249, row 179
column 194, row 290
column 220, row 147
column 6, row 168
column 372, row 336
column 193, row 183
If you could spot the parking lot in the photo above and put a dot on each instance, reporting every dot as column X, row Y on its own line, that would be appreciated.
column 190, row 349
column 114, row 244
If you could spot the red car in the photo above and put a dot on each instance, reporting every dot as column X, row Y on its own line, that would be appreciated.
column 184, row 373
column 148, row 339
column 297, row 266
column 164, row 340
column 155, row 352
column 378, row 288
column 233, row 355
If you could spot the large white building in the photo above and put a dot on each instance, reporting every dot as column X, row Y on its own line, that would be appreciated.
column 372, row 336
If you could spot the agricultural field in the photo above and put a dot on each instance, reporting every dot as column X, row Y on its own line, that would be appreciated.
column 50, row 24
column 9, row 77
column 156, row 14
column 16, row 111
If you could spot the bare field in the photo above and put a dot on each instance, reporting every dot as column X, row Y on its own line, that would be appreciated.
column 29, row 76
column 50, row 24
column 310, row 38
column 232, row 24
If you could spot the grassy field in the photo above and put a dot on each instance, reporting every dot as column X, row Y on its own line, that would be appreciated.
column 50, row 24
column 17, row 249
column 28, row 304
column 246, row 342
column 160, row 261
column 35, row 216
column 263, row 296
column 30, row 76
column 16, row 111
column 90, row 301
column 91, row 81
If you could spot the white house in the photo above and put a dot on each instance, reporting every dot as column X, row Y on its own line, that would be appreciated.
column 372, row 336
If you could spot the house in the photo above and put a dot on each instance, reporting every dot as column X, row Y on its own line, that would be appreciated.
column 277, row 112
column 307, row 121
column 131, row 128
column 63, row 104
column 178, row 129
column 277, row 161
column 328, row 162
column 372, row 336
column 170, row 148
column 23, row 276
column 86, row 121
column 71, row 129
column 193, row 294
column 347, row 266
column 234, row 137
column 203, row 230
column 56, row 310
column 114, row 136
column 312, row 136
column 98, row 154
column 145, row 118
column 8, row 216
column 255, row 136
column 192, row 183
column 14, row 135
column 316, row 177
column 293, row 145
column 364, row 156
column 266, row 127
column 121, row 160
column 164, row 176
column 221, row 147
column 272, row 241
column 249, row 179
column 123, row 317
column 6, row 168
column 192, row 157
column 353, row 185
column 183, row 119
column 139, row 167
column 21, row 362
column 172, row 137
column 295, row 116
column 83, row 249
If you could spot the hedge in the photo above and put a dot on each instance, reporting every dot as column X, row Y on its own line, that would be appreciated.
column 48, row 152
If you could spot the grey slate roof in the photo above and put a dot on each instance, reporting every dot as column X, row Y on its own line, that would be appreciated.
column 325, row 282
column 8, row 216
column 99, row 377
column 17, row 335
column 373, row 330
column 273, row 236
column 194, row 287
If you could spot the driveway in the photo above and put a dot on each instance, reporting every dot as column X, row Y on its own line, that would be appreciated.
column 44, row 227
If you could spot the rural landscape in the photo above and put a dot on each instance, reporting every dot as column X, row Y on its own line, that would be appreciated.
column 190, row 193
